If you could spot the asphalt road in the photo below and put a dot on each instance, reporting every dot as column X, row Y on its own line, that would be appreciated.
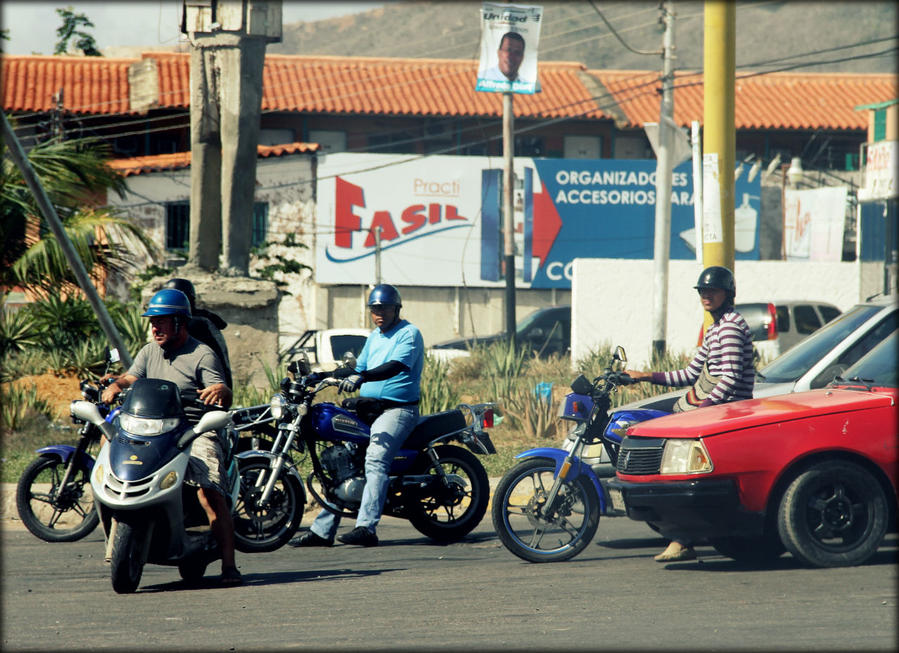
column 410, row 594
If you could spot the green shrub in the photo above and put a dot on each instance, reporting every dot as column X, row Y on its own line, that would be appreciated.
column 21, row 405
column 437, row 392
column 17, row 331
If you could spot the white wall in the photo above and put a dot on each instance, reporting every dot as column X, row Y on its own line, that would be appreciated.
column 612, row 300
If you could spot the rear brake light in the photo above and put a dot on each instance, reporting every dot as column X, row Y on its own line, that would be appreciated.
column 488, row 418
column 772, row 325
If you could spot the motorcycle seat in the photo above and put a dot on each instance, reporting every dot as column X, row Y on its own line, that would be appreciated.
column 431, row 426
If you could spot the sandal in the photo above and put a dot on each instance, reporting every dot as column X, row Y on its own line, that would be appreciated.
column 230, row 576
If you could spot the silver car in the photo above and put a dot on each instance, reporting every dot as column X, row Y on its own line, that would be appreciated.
column 815, row 360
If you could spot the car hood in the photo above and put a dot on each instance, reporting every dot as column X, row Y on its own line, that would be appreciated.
column 749, row 413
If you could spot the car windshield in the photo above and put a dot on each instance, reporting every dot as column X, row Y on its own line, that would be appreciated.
column 878, row 366
column 800, row 358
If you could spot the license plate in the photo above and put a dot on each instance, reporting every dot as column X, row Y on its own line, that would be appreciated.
column 617, row 499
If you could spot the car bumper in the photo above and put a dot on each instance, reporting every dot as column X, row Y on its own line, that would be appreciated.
column 706, row 508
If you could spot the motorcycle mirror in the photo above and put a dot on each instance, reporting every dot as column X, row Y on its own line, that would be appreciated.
column 349, row 360
column 112, row 355
column 213, row 421
column 620, row 355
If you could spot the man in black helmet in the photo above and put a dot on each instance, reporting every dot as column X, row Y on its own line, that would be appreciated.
column 204, row 325
column 389, row 369
column 721, row 371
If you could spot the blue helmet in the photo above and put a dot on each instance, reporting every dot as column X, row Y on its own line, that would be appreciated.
column 168, row 301
column 384, row 295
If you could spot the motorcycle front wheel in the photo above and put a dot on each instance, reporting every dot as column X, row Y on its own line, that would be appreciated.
column 128, row 557
column 528, row 529
column 52, row 513
column 449, row 511
column 257, row 528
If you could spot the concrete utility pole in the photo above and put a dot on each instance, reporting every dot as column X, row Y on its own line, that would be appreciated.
column 719, row 135
column 55, row 224
column 228, row 39
column 508, row 211
column 662, row 241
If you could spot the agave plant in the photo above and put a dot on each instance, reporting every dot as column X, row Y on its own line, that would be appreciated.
column 17, row 331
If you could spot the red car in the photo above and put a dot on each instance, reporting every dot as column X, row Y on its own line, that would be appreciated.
column 814, row 473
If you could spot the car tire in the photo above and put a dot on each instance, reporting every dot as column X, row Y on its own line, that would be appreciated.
column 834, row 514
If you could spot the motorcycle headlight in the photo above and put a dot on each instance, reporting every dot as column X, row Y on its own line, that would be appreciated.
column 147, row 426
column 278, row 405
column 685, row 457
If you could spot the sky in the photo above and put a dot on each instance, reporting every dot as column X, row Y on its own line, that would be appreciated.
column 155, row 23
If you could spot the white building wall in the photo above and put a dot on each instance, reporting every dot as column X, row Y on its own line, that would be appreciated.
column 612, row 298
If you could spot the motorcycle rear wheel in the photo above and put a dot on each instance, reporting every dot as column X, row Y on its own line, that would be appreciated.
column 258, row 529
column 518, row 500
column 128, row 557
column 446, row 514
column 49, row 514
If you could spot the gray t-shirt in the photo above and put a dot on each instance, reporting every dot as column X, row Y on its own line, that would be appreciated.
column 192, row 367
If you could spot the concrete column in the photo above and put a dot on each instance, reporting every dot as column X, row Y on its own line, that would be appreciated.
column 206, row 158
column 240, row 102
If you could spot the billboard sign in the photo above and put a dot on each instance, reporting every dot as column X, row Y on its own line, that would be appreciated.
column 509, row 38
column 440, row 221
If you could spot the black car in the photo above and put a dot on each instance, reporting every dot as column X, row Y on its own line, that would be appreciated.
column 546, row 331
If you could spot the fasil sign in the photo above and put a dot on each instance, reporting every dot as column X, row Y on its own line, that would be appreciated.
column 440, row 222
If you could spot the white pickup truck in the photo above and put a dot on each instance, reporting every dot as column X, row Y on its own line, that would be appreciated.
column 325, row 348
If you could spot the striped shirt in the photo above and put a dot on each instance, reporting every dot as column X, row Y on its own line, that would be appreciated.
column 727, row 348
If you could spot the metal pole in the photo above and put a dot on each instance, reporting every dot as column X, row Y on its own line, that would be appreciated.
column 662, row 242
column 55, row 224
column 697, row 189
column 719, row 135
column 508, row 214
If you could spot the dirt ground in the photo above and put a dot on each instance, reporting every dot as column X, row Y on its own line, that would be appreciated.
column 59, row 392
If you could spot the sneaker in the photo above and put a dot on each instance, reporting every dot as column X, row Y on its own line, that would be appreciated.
column 230, row 576
column 309, row 539
column 361, row 536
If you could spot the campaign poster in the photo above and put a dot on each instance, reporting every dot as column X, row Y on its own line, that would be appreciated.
column 814, row 221
column 440, row 219
column 509, row 38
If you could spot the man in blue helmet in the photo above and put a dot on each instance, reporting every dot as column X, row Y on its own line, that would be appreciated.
column 388, row 368
column 204, row 325
column 195, row 368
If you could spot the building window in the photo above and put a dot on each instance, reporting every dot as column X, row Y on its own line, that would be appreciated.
column 260, row 224
column 880, row 125
column 177, row 225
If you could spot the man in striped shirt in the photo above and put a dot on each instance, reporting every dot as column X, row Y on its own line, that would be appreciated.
column 721, row 371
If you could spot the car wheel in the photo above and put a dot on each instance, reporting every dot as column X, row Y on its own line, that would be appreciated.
column 834, row 514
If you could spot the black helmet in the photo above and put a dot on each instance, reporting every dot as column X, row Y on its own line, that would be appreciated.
column 384, row 295
column 717, row 276
column 184, row 286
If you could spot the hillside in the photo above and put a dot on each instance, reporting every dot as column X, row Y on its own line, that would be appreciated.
column 574, row 31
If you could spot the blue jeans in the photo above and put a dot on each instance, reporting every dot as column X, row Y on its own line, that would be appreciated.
column 388, row 432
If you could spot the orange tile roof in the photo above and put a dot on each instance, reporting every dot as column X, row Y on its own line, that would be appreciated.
column 769, row 101
column 320, row 84
column 445, row 87
column 90, row 84
column 139, row 165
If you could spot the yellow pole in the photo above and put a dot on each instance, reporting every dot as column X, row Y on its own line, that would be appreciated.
column 719, row 135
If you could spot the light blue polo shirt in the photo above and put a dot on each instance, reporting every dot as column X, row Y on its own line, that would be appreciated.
column 403, row 343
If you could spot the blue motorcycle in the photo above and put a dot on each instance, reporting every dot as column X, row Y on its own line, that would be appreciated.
column 440, row 488
column 53, row 495
column 547, row 507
